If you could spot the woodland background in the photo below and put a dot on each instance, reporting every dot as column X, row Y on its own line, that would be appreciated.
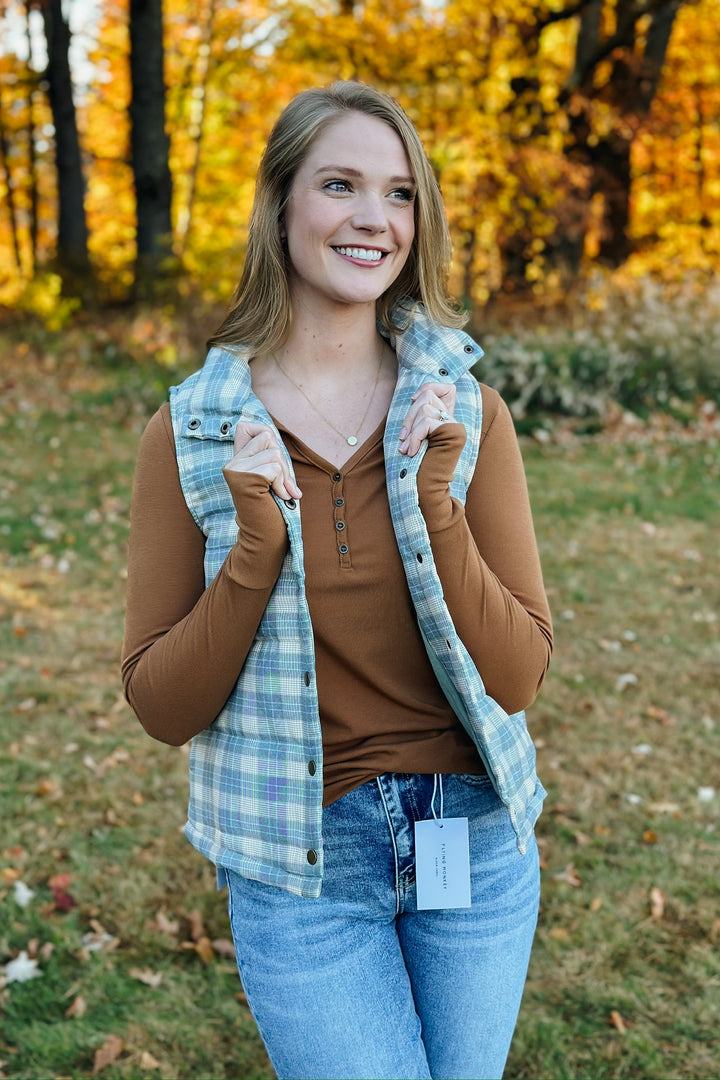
column 577, row 143
column 574, row 140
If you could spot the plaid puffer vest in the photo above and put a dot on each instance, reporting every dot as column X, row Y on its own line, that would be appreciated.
column 256, row 772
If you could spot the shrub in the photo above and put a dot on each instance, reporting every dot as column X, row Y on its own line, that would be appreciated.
column 646, row 351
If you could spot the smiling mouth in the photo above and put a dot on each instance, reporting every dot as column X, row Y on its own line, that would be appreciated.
column 369, row 255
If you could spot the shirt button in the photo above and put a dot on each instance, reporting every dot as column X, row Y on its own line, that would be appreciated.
column 403, row 474
column 290, row 503
column 194, row 424
column 339, row 502
column 443, row 371
column 312, row 768
column 337, row 476
column 343, row 549
column 339, row 525
column 312, row 857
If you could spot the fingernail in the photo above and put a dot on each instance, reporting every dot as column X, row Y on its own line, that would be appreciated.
column 403, row 433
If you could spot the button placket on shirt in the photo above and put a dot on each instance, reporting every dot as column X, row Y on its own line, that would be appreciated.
column 339, row 513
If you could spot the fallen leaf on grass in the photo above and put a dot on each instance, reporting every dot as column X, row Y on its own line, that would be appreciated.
column 657, row 903
column 99, row 941
column 596, row 903
column 77, row 1009
column 48, row 789
column 197, row 928
column 203, row 947
column 148, row 1062
column 223, row 947
column 166, row 925
column 59, row 883
column 107, row 1053
column 649, row 837
column 661, row 715
column 570, row 876
column 22, row 969
column 22, row 894
column 618, row 1022
column 144, row 975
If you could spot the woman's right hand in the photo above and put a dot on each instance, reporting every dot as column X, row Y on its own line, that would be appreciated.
column 258, row 451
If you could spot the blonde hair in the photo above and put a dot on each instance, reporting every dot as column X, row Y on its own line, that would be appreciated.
column 260, row 313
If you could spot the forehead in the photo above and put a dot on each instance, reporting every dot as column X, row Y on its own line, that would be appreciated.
column 357, row 139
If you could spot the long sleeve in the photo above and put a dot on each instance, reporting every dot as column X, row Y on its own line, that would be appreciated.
column 487, row 557
column 185, row 645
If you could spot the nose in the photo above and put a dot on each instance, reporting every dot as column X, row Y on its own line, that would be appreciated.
column 370, row 214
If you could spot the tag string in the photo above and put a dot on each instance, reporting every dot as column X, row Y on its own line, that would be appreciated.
column 438, row 777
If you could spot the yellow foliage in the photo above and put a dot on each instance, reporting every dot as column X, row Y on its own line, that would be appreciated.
column 486, row 88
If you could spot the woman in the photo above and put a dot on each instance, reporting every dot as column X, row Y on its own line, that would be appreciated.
column 334, row 591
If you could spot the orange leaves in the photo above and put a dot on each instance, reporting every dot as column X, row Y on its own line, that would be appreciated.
column 107, row 1053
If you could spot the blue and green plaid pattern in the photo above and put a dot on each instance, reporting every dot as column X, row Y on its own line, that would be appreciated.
column 255, row 805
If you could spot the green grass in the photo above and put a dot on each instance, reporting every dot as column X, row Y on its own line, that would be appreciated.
column 628, row 531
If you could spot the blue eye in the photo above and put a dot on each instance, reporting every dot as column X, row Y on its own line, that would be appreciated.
column 336, row 185
column 404, row 194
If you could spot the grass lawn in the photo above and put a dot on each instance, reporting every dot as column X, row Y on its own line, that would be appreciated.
column 125, row 927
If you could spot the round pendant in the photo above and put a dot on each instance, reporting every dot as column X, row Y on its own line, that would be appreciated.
column 352, row 440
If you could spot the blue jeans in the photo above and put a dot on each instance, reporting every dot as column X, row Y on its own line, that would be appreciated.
column 360, row 984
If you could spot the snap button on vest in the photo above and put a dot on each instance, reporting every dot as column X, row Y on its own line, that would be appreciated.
column 312, row 768
column 312, row 857
column 194, row 424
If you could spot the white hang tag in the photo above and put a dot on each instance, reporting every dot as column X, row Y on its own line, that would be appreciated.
column 442, row 863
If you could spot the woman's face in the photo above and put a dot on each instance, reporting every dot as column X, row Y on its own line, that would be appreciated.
column 350, row 219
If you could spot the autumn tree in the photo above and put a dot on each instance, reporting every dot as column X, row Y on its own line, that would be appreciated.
column 150, row 145
column 72, row 236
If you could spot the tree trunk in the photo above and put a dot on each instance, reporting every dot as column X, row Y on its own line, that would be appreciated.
column 72, row 250
column 150, row 145
column 631, row 89
column 32, row 163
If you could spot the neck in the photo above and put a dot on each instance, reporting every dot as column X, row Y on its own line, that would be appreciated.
column 340, row 340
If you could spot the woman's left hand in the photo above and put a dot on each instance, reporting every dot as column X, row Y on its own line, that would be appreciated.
column 432, row 405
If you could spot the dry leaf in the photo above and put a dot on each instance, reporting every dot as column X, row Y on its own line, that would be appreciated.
column 560, row 933
column 570, row 876
column 107, row 1053
column 657, row 903
column 144, row 975
column 166, row 925
column 148, row 1062
column 48, row 788
column 205, row 950
column 656, row 713
column 77, row 1009
column 197, row 929
column 650, row 837
column 596, row 903
column 617, row 1022
column 223, row 947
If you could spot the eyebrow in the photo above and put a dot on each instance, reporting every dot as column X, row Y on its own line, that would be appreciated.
column 346, row 170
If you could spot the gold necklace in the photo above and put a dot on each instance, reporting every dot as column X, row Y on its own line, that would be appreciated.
column 351, row 440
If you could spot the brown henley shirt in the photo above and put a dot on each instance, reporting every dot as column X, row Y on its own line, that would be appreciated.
column 381, row 708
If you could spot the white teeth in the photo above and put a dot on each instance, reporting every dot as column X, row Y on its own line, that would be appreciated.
column 361, row 253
